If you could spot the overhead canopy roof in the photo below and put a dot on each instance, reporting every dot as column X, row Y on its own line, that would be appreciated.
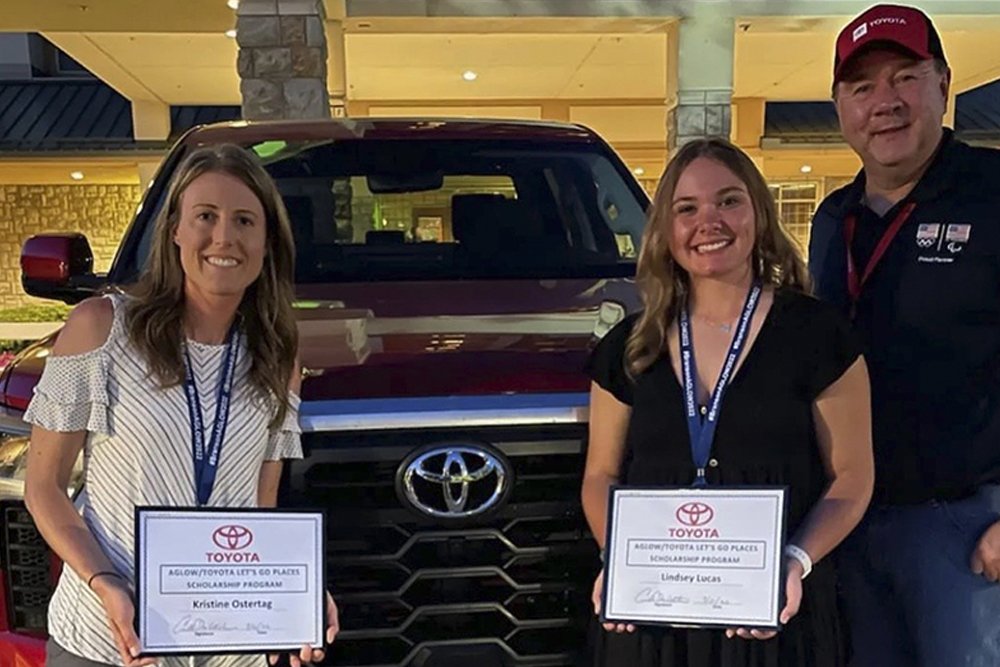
column 603, row 63
column 176, row 51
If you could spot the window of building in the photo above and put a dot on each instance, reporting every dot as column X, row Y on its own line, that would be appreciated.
column 796, row 202
column 47, row 60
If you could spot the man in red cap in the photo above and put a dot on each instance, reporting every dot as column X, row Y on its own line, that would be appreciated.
column 911, row 251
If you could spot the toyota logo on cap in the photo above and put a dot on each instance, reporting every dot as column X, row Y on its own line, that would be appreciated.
column 694, row 514
column 232, row 537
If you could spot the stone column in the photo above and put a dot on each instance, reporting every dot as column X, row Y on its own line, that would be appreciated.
column 699, row 113
column 282, row 59
column 704, row 76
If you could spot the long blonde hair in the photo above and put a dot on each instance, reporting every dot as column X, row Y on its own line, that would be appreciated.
column 154, row 315
column 663, row 284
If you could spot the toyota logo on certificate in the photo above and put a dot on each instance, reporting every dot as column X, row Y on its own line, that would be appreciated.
column 705, row 556
column 228, row 581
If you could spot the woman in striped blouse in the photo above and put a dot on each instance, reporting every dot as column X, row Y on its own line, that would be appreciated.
column 123, row 378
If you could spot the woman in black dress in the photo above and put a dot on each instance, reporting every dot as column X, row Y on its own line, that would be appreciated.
column 795, row 410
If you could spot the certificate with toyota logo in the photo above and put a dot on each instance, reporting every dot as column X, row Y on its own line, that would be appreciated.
column 707, row 556
column 229, row 581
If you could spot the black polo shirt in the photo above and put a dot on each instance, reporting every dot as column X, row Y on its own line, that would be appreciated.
column 929, row 320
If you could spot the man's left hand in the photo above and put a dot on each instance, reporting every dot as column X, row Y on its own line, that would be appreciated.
column 986, row 555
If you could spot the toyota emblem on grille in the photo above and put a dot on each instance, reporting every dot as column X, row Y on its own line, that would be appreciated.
column 455, row 481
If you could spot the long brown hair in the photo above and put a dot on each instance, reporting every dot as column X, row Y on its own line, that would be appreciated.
column 663, row 284
column 154, row 315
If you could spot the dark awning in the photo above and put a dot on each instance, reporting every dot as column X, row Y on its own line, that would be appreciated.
column 977, row 118
column 183, row 118
column 35, row 112
column 65, row 116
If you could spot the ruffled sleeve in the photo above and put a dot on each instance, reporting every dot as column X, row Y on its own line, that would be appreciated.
column 72, row 394
column 285, row 442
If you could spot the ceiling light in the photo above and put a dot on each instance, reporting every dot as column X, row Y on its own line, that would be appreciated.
column 231, row 34
column 805, row 169
column 638, row 171
column 469, row 75
column 233, row 4
column 76, row 175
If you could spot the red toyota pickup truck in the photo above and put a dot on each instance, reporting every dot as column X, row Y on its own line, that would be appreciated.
column 452, row 276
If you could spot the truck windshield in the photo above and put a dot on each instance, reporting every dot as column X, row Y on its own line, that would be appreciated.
column 416, row 209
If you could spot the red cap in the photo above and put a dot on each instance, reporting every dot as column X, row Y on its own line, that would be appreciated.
column 906, row 28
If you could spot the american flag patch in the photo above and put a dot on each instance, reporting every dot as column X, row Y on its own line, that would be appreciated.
column 958, row 233
column 928, row 232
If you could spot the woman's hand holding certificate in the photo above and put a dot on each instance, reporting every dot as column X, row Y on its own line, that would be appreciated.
column 793, row 598
column 308, row 654
column 116, row 598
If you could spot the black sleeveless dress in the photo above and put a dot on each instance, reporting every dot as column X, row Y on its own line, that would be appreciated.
column 765, row 435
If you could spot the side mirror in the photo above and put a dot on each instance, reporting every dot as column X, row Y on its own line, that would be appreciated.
column 58, row 266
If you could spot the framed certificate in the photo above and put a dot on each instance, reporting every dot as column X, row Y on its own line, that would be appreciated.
column 703, row 557
column 229, row 581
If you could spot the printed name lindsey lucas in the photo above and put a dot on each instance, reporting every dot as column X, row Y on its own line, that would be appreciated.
column 691, row 578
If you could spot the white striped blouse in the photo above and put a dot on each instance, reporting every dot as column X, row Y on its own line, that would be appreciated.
column 138, row 452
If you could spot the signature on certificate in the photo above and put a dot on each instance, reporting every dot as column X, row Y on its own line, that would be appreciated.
column 658, row 598
column 716, row 602
column 200, row 626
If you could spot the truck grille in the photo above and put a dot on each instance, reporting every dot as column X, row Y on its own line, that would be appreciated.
column 27, row 561
column 515, row 584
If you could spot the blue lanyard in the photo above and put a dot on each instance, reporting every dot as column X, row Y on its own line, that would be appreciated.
column 702, row 431
column 206, row 459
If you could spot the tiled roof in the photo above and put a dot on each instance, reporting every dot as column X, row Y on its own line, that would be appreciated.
column 978, row 110
column 65, row 115
column 61, row 114
column 789, row 119
column 977, row 114
column 183, row 118
column 38, row 112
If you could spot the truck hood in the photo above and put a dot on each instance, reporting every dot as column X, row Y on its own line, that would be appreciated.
column 425, row 339
column 455, row 338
